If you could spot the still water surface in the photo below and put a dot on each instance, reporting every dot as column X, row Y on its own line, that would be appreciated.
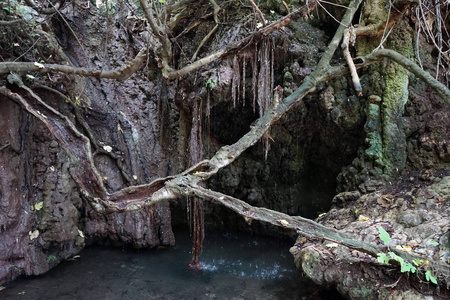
column 235, row 266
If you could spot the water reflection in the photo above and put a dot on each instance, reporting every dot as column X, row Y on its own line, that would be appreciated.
column 235, row 266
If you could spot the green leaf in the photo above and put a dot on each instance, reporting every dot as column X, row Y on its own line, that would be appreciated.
column 407, row 267
column 383, row 258
column 396, row 257
column 434, row 243
column 38, row 206
column 211, row 83
column 384, row 236
column 162, row 1
column 429, row 276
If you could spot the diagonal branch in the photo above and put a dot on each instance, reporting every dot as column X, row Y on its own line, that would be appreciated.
column 438, row 87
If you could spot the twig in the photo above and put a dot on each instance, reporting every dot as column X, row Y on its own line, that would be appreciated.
column 261, row 15
column 323, row 7
column 216, row 9
column 170, row 73
column 29, row 49
column 391, row 285
column 204, row 40
column 287, row 7
column 45, row 11
column 4, row 146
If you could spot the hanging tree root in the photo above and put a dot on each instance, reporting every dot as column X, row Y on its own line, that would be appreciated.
column 349, row 37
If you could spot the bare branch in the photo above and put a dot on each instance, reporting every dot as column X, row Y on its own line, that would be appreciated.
column 122, row 73
column 261, row 15
column 216, row 9
column 204, row 40
column 164, row 51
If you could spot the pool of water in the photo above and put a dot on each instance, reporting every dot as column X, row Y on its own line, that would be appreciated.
column 235, row 266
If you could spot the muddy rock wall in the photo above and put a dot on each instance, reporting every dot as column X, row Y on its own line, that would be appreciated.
column 40, row 207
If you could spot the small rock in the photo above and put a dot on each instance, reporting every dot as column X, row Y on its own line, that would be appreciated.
column 409, row 219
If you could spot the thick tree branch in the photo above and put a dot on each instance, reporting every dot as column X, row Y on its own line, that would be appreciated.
column 121, row 74
column 438, row 87
column 12, row 22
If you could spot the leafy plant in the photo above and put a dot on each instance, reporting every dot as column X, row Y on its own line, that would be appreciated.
column 429, row 277
column 384, row 236
column 405, row 266
column 211, row 83
column 383, row 258
column 52, row 258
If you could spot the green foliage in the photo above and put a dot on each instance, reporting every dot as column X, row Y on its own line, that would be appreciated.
column 52, row 258
column 434, row 243
column 11, row 6
column 384, row 236
column 429, row 277
column 38, row 206
column 211, row 83
column 405, row 266
column 383, row 258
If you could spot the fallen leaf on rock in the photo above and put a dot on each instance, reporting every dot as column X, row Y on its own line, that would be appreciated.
column 283, row 222
column 38, row 206
column 384, row 201
column 363, row 218
column 413, row 244
column 403, row 248
column 33, row 234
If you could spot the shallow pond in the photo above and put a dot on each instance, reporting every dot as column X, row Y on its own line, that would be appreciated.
column 235, row 266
